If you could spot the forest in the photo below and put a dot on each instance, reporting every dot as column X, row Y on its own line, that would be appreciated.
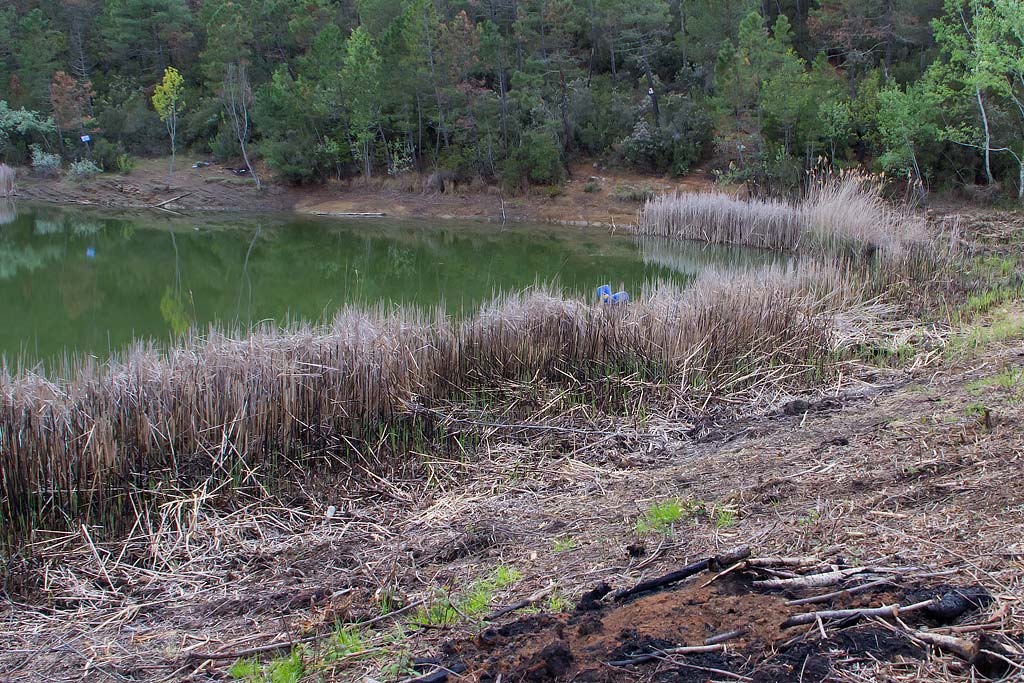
column 511, row 91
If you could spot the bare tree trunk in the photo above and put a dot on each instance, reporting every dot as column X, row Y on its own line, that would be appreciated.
column 684, row 53
column 419, row 133
column 566, row 125
column 442, row 129
column 1020, row 179
column 504, row 97
column 237, row 96
column 890, row 39
column 387, row 149
column 988, row 136
column 917, row 174
column 79, row 64
column 651, row 92
column 172, row 130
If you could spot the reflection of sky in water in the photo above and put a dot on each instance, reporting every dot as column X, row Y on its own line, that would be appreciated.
column 72, row 279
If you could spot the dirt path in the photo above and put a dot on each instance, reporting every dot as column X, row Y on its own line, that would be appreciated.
column 602, row 197
column 917, row 467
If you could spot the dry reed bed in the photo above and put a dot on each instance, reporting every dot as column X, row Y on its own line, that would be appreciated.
column 360, row 392
column 6, row 181
column 838, row 213
column 352, row 391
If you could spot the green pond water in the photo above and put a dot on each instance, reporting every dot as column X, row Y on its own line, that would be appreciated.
column 75, row 280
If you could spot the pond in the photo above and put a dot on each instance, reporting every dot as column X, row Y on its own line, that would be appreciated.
column 76, row 280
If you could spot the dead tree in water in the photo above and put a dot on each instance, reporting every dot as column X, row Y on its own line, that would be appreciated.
column 6, row 181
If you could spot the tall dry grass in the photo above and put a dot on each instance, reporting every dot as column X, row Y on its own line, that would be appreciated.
column 837, row 213
column 358, row 391
column 6, row 181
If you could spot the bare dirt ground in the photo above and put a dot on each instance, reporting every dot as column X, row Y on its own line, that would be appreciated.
column 911, row 475
column 610, row 196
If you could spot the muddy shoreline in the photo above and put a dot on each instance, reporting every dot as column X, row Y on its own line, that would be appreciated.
column 598, row 197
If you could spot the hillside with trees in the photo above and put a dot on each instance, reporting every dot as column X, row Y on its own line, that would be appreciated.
column 511, row 91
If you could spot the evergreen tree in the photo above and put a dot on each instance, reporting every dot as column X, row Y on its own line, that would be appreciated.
column 361, row 83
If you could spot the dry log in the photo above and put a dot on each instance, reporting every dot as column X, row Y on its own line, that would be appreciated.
column 812, row 580
column 723, row 560
column 961, row 647
column 884, row 611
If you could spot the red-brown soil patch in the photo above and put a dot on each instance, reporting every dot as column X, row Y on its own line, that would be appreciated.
column 594, row 645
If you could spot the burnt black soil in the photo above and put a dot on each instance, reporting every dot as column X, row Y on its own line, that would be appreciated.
column 580, row 646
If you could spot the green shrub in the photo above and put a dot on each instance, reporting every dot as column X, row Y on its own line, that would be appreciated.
column 661, row 517
column 684, row 139
column 248, row 670
column 602, row 115
column 591, row 187
column 645, row 148
column 83, row 169
column 125, row 164
column 112, row 156
column 224, row 145
column 538, row 161
column 45, row 164
column 473, row 603
column 105, row 153
column 128, row 121
column 633, row 193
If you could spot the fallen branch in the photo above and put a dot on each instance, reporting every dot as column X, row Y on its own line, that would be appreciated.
column 438, row 675
column 784, row 561
column 825, row 597
column 172, row 199
column 526, row 602
column 351, row 214
column 722, row 637
column 723, row 560
column 658, row 654
column 884, row 611
column 739, row 565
